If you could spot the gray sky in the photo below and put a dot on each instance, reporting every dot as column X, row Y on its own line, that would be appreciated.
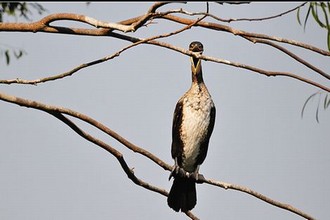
column 259, row 141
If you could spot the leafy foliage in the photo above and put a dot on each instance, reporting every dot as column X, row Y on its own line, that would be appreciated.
column 321, row 14
column 17, row 9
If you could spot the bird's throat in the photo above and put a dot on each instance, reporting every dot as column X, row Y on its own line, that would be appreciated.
column 195, row 65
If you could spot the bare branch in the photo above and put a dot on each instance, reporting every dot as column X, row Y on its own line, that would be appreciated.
column 263, row 18
column 58, row 113
column 178, row 49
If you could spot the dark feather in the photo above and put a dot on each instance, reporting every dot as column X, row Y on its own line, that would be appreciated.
column 177, row 144
column 182, row 195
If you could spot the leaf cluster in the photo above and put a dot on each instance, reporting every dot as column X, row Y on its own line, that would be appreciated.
column 321, row 14
column 17, row 9
column 20, row 9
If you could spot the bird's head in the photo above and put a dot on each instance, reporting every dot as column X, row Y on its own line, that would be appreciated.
column 196, row 47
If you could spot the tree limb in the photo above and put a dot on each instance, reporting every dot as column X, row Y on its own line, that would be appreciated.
column 59, row 113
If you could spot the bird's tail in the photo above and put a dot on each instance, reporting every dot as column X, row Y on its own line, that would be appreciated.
column 182, row 194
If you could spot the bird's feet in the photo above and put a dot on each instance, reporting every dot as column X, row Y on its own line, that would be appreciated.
column 199, row 178
column 178, row 171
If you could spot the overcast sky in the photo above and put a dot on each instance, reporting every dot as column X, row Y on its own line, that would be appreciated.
column 259, row 141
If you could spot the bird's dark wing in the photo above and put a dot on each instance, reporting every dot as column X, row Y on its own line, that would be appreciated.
column 205, row 143
column 177, row 144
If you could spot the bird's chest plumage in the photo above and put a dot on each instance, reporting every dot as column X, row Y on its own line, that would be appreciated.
column 196, row 113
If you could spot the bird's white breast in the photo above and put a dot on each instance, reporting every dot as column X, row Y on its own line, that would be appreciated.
column 195, row 122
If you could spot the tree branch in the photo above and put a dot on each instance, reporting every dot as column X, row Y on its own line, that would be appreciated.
column 59, row 113
column 181, row 50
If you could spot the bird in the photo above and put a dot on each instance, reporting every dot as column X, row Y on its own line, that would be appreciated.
column 193, row 123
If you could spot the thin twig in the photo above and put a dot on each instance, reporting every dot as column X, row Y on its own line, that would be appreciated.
column 181, row 11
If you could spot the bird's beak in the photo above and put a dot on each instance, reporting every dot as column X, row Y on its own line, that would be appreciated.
column 195, row 62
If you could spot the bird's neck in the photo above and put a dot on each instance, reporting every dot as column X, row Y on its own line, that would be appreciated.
column 196, row 72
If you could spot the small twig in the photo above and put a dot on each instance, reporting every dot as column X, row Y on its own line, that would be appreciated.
column 181, row 11
column 263, row 18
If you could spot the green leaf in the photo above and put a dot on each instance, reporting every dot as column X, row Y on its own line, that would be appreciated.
column 307, row 15
column 307, row 100
column 328, row 40
column 298, row 16
column 19, row 54
column 326, row 102
column 7, row 57
column 316, row 16
column 323, row 6
column 317, row 114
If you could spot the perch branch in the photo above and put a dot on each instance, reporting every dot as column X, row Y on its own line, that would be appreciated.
column 59, row 113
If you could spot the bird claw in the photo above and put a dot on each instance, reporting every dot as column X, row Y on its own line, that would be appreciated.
column 199, row 178
column 178, row 171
